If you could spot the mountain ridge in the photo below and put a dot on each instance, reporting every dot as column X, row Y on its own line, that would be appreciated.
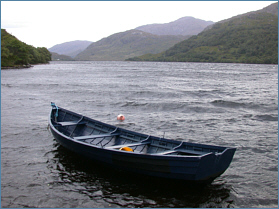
column 123, row 45
column 182, row 26
column 111, row 49
column 71, row 48
column 248, row 38
column 272, row 9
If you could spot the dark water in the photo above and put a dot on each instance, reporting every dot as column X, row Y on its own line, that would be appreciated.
column 232, row 105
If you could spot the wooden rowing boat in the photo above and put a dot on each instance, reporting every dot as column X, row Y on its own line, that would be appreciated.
column 137, row 152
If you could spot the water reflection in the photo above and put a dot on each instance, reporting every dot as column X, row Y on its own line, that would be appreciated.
column 123, row 189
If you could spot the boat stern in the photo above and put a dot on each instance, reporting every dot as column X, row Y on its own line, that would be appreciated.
column 213, row 165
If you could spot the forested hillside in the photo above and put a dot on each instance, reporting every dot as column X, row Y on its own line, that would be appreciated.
column 251, row 38
column 16, row 53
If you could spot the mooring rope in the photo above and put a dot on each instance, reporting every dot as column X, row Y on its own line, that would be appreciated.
column 55, row 106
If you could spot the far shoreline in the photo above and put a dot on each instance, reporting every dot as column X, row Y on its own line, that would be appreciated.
column 22, row 66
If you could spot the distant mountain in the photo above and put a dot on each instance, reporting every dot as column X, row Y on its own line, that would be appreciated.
column 123, row 45
column 184, row 26
column 247, row 38
column 71, row 48
column 152, row 38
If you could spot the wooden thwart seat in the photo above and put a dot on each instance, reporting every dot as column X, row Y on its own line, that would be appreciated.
column 67, row 123
column 95, row 136
column 127, row 145
column 71, row 123
column 193, row 152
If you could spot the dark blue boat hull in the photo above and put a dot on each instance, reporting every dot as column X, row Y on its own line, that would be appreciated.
column 203, row 168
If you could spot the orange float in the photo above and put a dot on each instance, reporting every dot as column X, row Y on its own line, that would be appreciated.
column 128, row 149
column 120, row 117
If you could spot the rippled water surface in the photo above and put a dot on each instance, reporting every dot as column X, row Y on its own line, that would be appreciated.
column 233, row 105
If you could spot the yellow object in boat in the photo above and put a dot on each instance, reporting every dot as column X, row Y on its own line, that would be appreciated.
column 128, row 149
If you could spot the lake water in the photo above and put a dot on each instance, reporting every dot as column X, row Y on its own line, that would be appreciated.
column 233, row 105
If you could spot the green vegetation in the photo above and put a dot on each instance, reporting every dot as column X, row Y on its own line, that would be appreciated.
column 251, row 38
column 16, row 53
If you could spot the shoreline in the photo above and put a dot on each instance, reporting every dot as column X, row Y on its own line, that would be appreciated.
column 22, row 66
column 17, row 67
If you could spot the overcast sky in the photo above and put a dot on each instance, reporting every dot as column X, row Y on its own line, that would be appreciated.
column 47, row 23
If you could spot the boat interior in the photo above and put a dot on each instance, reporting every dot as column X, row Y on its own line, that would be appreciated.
column 106, row 136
